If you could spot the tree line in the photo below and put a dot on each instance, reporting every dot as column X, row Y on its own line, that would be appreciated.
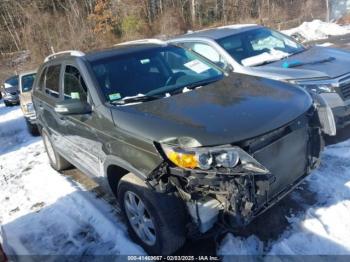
column 43, row 26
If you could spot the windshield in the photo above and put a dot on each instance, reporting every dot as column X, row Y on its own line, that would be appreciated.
column 258, row 46
column 153, row 71
column 13, row 81
column 27, row 82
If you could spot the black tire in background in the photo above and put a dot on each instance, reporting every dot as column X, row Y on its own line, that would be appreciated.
column 56, row 160
column 32, row 128
column 167, row 213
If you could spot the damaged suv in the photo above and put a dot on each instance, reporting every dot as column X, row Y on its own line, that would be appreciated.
column 182, row 144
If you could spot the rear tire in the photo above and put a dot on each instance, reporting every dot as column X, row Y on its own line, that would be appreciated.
column 164, row 216
column 56, row 160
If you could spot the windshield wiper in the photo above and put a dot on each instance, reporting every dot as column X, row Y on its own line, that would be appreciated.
column 201, row 83
column 179, row 89
column 141, row 98
column 296, row 52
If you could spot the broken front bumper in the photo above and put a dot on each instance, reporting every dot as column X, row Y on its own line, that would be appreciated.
column 289, row 154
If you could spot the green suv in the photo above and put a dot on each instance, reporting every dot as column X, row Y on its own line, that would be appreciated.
column 183, row 145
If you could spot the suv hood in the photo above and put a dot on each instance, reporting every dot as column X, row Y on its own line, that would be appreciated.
column 233, row 109
column 332, row 69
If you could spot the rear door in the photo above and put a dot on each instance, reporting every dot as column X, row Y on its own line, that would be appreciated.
column 47, row 93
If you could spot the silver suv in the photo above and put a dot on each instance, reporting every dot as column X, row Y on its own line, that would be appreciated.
column 26, row 80
column 260, row 51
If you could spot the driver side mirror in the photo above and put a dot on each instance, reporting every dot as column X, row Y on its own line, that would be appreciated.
column 73, row 107
column 228, row 68
column 298, row 37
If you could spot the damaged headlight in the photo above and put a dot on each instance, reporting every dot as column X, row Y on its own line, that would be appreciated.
column 206, row 158
column 227, row 158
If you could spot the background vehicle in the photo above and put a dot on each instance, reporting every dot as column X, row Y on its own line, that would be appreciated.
column 181, row 144
column 260, row 51
column 2, row 255
column 10, row 91
column 26, row 81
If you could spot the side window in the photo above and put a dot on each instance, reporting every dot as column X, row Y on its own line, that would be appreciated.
column 41, row 81
column 74, row 85
column 52, row 83
column 207, row 51
column 210, row 53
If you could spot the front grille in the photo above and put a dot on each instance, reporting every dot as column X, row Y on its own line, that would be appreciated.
column 344, row 86
column 345, row 90
column 13, row 93
column 286, row 159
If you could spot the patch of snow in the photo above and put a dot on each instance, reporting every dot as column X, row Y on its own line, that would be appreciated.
column 185, row 90
column 317, row 29
column 240, row 246
column 325, row 44
column 44, row 213
column 325, row 227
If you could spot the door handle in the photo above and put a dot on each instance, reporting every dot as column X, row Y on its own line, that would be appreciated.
column 62, row 118
column 40, row 107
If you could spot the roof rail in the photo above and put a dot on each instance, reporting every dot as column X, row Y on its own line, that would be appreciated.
column 68, row 52
column 144, row 41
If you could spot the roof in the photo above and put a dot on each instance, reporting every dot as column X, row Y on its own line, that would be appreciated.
column 27, row 73
column 123, row 49
column 220, row 32
column 119, row 49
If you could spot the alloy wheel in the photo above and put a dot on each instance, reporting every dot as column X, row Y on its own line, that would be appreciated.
column 139, row 218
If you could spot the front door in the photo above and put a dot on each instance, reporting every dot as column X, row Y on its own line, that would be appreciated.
column 81, row 131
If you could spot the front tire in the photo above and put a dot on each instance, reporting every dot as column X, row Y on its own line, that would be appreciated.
column 56, row 160
column 157, row 221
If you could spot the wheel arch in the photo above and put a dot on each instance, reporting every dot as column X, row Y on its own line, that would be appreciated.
column 115, row 168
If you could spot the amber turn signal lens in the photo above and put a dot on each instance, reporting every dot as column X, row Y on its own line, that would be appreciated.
column 184, row 160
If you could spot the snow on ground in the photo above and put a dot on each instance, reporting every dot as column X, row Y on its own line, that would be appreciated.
column 318, row 29
column 324, row 229
column 44, row 213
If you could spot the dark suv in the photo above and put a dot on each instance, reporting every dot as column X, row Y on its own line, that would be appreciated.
column 183, row 145
column 10, row 91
